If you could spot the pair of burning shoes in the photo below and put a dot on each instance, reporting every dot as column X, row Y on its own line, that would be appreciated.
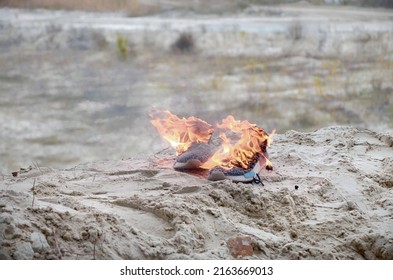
column 199, row 153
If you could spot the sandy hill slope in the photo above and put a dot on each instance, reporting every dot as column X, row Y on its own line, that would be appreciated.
column 143, row 209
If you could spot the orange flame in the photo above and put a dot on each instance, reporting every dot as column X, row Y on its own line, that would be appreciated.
column 240, row 141
column 239, row 149
column 181, row 132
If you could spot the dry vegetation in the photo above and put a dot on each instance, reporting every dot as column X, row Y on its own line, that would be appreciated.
column 133, row 7
column 146, row 7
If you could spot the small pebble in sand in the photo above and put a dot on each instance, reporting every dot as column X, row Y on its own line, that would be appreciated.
column 296, row 187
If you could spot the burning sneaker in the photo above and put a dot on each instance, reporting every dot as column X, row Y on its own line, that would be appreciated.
column 239, row 153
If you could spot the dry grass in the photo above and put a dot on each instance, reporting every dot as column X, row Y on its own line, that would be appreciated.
column 142, row 7
column 69, row 4
column 145, row 7
column 133, row 7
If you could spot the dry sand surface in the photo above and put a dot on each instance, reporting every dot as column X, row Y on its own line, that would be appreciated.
column 143, row 209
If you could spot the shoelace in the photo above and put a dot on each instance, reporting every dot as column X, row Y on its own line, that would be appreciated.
column 257, row 179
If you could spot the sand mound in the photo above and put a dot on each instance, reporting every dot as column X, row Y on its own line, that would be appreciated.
column 142, row 209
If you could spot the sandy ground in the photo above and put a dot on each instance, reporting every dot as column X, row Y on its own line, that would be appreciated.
column 143, row 209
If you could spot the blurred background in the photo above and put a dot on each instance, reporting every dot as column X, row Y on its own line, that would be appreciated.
column 78, row 78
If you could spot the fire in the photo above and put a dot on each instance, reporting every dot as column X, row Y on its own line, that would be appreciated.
column 181, row 132
column 242, row 141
